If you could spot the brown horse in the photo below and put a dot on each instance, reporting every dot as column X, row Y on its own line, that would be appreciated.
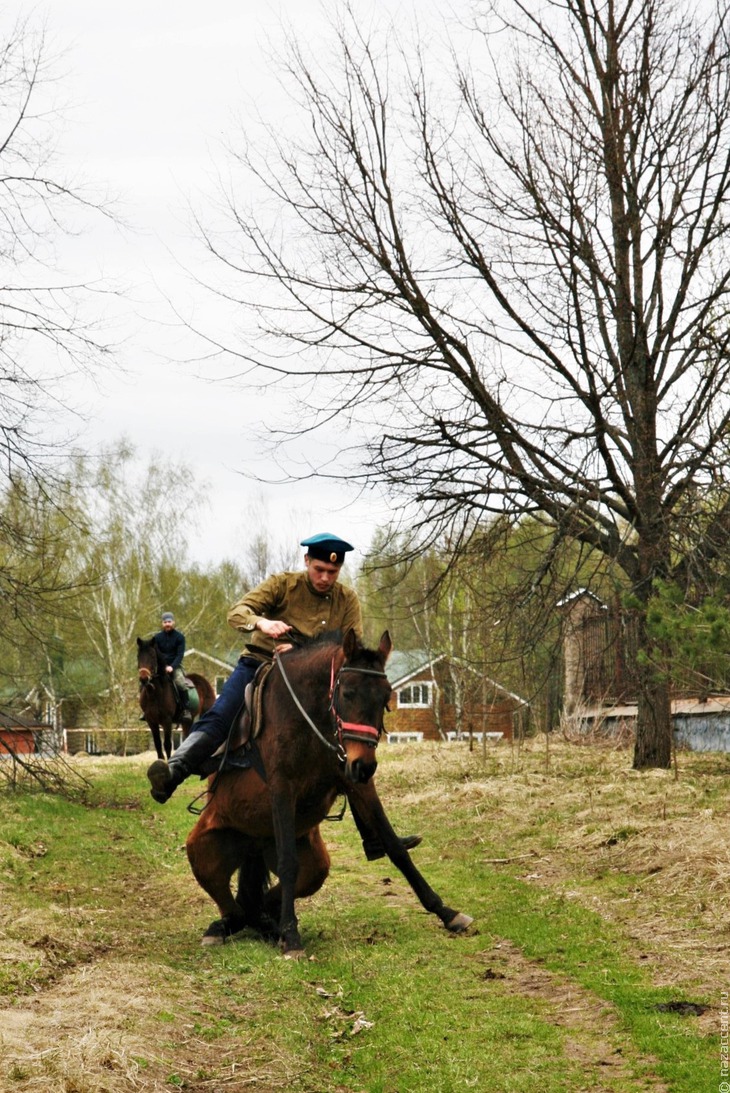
column 158, row 699
column 322, row 720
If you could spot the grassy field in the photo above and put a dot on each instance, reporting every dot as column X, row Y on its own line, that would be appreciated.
column 598, row 959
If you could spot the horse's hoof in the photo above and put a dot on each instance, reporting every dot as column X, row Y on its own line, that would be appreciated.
column 459, row 923
column 221, row 930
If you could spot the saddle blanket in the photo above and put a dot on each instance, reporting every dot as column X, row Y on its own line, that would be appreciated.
column 240, row 759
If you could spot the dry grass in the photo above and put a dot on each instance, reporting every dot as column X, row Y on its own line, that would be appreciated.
column 646, row 849
column 95, row 1021
column 120, row 1025
column 648, row 852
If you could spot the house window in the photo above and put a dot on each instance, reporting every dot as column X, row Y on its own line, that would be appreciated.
column 415, row 694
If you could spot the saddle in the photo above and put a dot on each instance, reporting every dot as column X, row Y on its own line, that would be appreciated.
column 237, row 749
column 251, row 721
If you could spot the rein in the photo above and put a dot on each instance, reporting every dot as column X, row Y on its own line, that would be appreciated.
column 332, row 747
column 147, row 677
column 345, row 730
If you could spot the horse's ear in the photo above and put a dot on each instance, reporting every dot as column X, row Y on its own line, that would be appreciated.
column 350, row 643
column 140, row 643
column 385, row 645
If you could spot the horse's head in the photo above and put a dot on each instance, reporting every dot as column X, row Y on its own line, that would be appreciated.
column 359, row 697
column 147, row 663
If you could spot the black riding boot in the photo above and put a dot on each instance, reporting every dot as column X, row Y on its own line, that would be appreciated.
column 165, row 777
column 371, row 843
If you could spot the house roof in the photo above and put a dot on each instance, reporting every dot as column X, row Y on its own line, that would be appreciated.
column 689, row 707
column 578, row 595
column 403, row 666
column 11, row 721
column 228, row 664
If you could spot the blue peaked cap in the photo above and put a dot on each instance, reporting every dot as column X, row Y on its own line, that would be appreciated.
column 326, row 547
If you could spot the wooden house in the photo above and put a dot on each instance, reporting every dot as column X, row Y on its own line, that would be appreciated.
column 18, row 735
column 600, row 684
column 585, row 648
column 439, row 698
column 215, row 669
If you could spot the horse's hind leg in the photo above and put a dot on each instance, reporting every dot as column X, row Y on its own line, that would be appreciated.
column 214, row 857
column 253, row 883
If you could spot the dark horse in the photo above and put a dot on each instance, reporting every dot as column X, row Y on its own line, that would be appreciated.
column 158, row 699
column 322, row 720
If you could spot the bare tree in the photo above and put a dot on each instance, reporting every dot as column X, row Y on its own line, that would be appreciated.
column 268, row 544
column 136, row 531
column 44, row 338
column 525, row 282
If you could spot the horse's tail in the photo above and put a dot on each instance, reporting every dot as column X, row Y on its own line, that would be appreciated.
column 206, row 694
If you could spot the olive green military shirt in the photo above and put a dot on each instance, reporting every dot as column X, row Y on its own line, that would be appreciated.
column 290, row 598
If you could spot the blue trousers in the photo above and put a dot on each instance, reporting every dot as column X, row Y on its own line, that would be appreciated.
column 216, row 722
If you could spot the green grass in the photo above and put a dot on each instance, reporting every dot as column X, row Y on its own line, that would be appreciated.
column 579, row 945
column 543, row 994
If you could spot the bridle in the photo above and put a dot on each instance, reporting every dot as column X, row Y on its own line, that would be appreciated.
column 147, row 676
column 350, row 730
column 343, row 730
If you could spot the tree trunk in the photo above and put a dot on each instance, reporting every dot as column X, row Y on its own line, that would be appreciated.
column 653, row 746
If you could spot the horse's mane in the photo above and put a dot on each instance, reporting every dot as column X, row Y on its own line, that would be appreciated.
column 317, row 651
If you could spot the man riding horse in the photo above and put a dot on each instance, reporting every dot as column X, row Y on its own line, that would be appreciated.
column 311, row 602
column 170, row 645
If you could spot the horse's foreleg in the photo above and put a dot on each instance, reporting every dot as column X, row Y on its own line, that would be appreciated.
column 168, row 739
column 365, row 799
column 314, row 867
column 156, row 739
column 287, row 867
column 214, row 857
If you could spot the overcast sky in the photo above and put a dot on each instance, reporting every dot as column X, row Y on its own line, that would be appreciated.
column 153, row 89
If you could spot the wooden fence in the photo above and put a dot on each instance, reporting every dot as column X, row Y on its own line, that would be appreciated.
column 610, row 660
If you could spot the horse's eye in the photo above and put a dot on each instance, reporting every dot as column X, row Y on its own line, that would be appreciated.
column 348, row 695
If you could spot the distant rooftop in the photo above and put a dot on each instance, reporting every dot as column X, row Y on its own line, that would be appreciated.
column 402, row 665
